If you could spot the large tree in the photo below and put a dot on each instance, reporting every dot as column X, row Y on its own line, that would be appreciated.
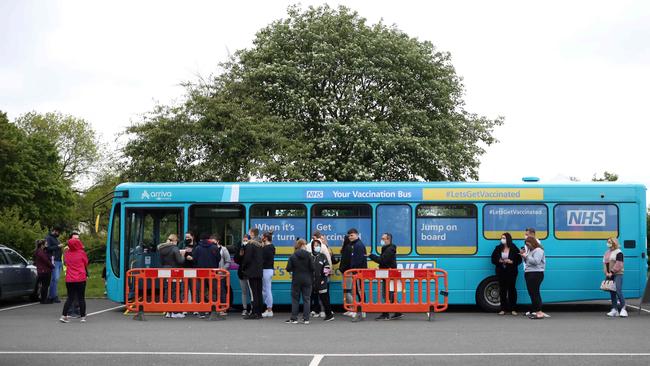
column 321, row 95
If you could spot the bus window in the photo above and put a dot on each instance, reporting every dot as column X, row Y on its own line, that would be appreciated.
column 395, row 219
column 334, row 221
column 589, row 221
column 446, row 229
column 515, row 219
column 145, row 229
column 227, row 221
column 115, row 240
column 288, row 223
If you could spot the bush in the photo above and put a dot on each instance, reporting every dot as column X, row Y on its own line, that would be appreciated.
column 19, row 233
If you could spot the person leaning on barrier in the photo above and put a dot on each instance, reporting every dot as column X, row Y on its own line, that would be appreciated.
column 320, row 284
column 206, row 255
column 358, row 260
column 224, row 263
column 344, row 265
column 613, row 268
column 301, row 268
column 253, row 263
column 44, row 268
column 506, row 260
column 171, row 257
column 268, row 266
column 387, row 259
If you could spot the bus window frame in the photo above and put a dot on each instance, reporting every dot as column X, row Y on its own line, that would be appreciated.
column 415, row 242
column 618, row 217
column 306, row 217
column 372, row 218
column 548, row 222
column 240, row 205
column 117, row 208
column 376, row 226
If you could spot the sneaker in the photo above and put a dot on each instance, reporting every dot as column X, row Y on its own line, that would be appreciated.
column 502, row 312
column 202, row 316
column 397, row 316
column 347, row 313
column 178, row 315
column 64, row 319
column 83, row 319
column 623, row 313
column 244, row 313
column 168, row 315
column 305, row 322
column 352, row 314
column 363, row 314
column 546, row 315
column 383, row 316
column 515, row 313
column 527, row 313
column 314, row 314
column 223, row 313
column 196, row 313
column 322, row 314
column 329, row 318
column 291, row 321
column 267, row 314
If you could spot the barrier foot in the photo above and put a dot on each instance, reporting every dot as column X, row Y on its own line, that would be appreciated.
column 358, row 315
column 214, row 315
column 139, row 316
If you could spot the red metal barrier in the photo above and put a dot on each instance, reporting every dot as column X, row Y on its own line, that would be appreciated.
column 413, row 291
column 177, row 290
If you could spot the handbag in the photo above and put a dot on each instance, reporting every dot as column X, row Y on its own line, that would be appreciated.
column 608, row 285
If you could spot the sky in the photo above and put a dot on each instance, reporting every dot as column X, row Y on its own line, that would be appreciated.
column 571, row 78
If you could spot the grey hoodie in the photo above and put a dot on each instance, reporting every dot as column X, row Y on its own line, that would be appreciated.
column 170, row 256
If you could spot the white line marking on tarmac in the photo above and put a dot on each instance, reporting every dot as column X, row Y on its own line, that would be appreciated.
column 19, row 306
column 478, row 354
column 316, row 360
column 636, row 307
column 105, row 310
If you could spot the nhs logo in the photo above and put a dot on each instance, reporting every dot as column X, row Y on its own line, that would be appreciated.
column 586, row 218
column 315, row 194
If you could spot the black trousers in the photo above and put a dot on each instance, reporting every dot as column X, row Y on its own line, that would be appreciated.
column 533, row 283
column 44, row 281
column 256, row 289
column 508, row 291
column 299, row 288
column 76, row 291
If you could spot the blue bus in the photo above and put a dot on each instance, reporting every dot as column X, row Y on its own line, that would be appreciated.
column 452, row 226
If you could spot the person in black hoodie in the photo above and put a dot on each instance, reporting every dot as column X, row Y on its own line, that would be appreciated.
column 301, row 268
column 240, row 250
column 206, row 255
column 322, row 270
column 506, row 259
column 253, row 267
column 387, row 259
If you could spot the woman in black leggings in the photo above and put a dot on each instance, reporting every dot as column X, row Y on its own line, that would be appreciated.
column 76, row 262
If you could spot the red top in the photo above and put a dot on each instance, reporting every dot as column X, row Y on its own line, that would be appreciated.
column 76, row 261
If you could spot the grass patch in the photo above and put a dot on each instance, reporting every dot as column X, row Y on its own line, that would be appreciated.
column 94, row 284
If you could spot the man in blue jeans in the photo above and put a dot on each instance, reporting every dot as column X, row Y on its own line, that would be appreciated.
column 54, row 250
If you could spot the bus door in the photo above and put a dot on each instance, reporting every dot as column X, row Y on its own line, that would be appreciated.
column 225, row 220
column 145, row 228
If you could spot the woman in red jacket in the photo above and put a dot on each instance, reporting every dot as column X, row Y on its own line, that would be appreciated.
column 76, row 262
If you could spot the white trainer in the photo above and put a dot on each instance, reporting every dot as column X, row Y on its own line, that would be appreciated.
column 322, row 314
column 613, row 313
column 313, row 314
column 178, row 315
column 267, row 314
column 623, row 313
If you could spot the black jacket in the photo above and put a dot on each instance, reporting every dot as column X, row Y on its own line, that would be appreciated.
column 514, row 256
column 253, row 261
column 346, row 257
column 320, row 279
column 206, row 255
column 301, row 267
column 189, row 263
column 358, row 258
column 269, row 256
column 170, row 256
column 388, row 257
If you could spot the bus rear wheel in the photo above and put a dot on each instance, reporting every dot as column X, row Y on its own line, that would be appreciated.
column 487, row 295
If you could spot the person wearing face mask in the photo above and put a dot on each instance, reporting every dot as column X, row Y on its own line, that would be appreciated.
column 189, row 247
column 506, row 260
column 320, row 281
column 387, row 259
column 253, row 267
column 171, row 257
column 268, row 251
column 613, row 268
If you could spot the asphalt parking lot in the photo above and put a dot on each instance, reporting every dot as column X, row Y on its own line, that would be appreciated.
column 576, row 334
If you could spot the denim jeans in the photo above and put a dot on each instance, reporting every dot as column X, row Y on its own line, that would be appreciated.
column 266, row 287
column 56, row 273
column 618, row 301
column 245, row 293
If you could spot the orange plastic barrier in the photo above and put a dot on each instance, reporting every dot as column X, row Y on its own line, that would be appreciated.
column 395, row 290
column 177, row 290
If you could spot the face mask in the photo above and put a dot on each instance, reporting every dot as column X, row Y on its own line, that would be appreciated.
column 609, row 245
column 317, row 249
column 503, row 241
column 244, row 243
column 383, row 243
column 188, row 241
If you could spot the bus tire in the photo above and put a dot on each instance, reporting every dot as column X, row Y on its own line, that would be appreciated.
column 487, row 295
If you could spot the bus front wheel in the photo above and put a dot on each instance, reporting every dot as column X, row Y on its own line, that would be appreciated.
column 487, row 295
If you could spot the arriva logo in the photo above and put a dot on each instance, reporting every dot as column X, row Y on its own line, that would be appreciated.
column 160, row 195
column 315, row 194
column 586, row 218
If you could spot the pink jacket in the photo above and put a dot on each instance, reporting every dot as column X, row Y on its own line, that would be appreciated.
column 76, row 261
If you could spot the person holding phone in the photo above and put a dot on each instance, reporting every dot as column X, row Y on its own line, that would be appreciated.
column 535, row 261
column 506, row 260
